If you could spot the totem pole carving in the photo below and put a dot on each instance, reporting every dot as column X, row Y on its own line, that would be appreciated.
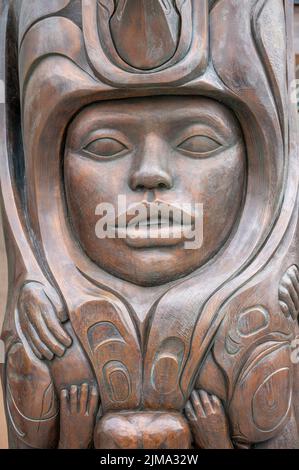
column 134, row 341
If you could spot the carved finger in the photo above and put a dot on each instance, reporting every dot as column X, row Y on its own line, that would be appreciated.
column 31, row 345
column 190, row 413
column 57, row 304
column 197, row 405
column 36, row 316
column 295, row 270
column 56, row 329
column 289, row 292
column 83, row 398
column 289, row 286
column 293, row 273
column 30, row 332
column 217, row 405
column 284, row 308
column 39, row 345
column 206, row 402
column 64, row 401
column 74, row 399
column 284, row 296
column 294, row 297
column 93, row 400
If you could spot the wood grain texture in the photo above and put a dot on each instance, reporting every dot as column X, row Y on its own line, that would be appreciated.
column 135, row 341
column 3, row 296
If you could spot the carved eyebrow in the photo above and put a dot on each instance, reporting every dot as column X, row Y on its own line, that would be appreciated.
column 226, row 129
column 204, row 115
column 225, row 125
column 199, row 114
column 112, row 112
column 104, row 116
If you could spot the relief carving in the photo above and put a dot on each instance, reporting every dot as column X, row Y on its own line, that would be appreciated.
column 174, row 331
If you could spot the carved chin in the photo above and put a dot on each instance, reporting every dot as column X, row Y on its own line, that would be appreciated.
column 154, row 266
column 148, row 262
column 151, row 262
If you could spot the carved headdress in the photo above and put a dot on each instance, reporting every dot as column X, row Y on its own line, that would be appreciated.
column 73, row 53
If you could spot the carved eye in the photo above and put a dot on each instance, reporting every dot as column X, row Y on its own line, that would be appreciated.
column 105, row 147
column 200, row 145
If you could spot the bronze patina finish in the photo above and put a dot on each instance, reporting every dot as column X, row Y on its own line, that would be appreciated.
column 126, row 342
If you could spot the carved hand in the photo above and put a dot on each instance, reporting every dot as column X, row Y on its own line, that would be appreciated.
column 208, row 421
column 78, row 409
column 288, row 292
column 40, row 314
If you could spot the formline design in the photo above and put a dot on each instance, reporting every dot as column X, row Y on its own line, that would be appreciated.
column 134, row 341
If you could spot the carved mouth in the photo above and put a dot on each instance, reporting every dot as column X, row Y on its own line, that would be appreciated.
column 155, row 230
column 157, row 235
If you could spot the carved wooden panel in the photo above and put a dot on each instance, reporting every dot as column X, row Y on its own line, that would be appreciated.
column 149, row 189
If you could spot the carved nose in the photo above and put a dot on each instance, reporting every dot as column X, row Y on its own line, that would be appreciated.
column 151, row 166
column 149, row 179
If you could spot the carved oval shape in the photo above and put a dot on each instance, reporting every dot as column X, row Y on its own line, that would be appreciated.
column 101, row 333
column 146, row 33
column 118, row 381
column 119, row 385
column 252, row 321
column 165, row 374
column 271, row 401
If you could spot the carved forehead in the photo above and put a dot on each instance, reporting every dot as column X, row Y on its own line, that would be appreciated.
column 173, row 110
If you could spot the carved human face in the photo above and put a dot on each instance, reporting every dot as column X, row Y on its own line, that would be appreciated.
column 175, row 150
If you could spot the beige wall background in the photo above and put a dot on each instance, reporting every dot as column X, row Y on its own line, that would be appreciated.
column 296, row 38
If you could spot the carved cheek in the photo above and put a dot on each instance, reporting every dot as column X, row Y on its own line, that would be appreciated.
column 87, row 184
column 80, row 186
column 225, row 186
column 218, row 183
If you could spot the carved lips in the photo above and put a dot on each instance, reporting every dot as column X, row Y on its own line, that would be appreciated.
column 154, row 224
